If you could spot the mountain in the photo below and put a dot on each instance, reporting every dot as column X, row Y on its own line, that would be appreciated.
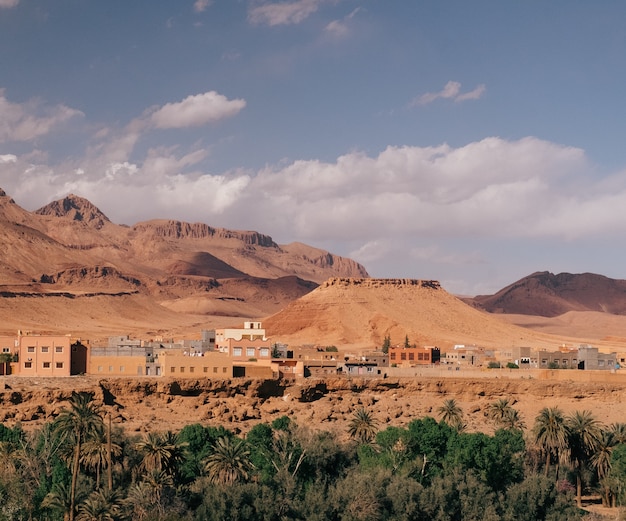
column 547, row 295
column 362, row 312
column 66, row 267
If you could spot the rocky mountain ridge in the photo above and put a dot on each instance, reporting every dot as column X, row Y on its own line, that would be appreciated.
column 70, row 247
column 548, row 295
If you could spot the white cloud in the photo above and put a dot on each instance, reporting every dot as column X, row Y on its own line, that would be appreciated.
column 201, row 5
column 8, row 3
column 473, row 94
column 27, row 121
column 340, row 28
column 197, row 110
column 283, row 13
column 8, row 158
column 451, row 90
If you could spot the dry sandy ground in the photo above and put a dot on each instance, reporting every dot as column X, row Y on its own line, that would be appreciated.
column 142, row 404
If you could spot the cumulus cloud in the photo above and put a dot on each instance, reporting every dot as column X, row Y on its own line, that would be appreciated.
column 283, row 13
column 409, row 195
column 8, row 3
column 30, row 120
column 451, row 90
column 197, row 110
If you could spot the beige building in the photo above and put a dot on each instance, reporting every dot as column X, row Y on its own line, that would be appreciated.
column 43, row 355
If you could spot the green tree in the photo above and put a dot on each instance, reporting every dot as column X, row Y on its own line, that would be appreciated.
column 550, row 435
column 229, row 462
column 161, row 452
column 363, row 426
column 583, row 434
column 95, row 455
column 601, row 462
column 497, row 411
column 452, row 414
column 406, row 341
column 100, row 506
column 78, row 424
column 386, row 344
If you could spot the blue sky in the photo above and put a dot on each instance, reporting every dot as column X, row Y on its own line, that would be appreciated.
column 469, row 142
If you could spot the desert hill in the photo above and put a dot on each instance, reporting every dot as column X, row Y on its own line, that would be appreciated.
column 67, row 268
column 547, row 295
column 361, row 312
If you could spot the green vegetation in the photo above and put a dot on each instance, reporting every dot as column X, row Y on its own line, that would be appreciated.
column 425, row 470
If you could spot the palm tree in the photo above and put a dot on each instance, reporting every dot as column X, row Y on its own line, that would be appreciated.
column 139, row 501
column 78, row 424
column 497, row 411
column 601, row 461
column 95, row 456
column 512, row 420
column 58, row 500
column 229, row 462
column 618, row 431
column 584, row 433
column 550, row 435
column 452, row 414
column 100, row 506
column 161, row 452
column 363, row 426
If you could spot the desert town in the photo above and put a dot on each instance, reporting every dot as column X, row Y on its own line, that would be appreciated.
column 248, row 351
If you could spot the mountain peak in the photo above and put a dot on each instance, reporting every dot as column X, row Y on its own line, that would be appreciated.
column 77, row 209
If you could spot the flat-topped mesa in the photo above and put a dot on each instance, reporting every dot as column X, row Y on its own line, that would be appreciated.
column 376, row 283
column 184, row 230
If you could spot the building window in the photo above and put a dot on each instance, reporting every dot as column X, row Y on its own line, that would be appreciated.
column 265, row 352
column 58, row 349
column 544, row 361
column 402, row 356
column 31, row 349
column 7, row 350
column 411, row 356
column 28, row 365
column 99, row 368
column 223, row 369
column 182, row 369
column 173, row 370
column 45, row 349
column 206, row 369
column 392, row 356
column 250, row 351
column 46, row 365
column 122, row 368
column 191, row 369
column 237, row 351
column 59, row 365
column 215, row 369
column 600, row 363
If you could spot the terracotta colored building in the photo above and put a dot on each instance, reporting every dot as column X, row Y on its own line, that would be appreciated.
column 411, row 356
column 48, row 355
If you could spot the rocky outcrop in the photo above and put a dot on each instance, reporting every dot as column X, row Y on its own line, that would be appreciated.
column 77, row 209
column 183, row 230
column 549, row 295
column 90, row 275
column 379, row 283
column 140, row 404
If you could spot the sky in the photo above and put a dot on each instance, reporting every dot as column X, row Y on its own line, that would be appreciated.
column 469, row 142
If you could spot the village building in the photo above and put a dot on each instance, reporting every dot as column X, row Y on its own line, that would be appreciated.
column 414, row 356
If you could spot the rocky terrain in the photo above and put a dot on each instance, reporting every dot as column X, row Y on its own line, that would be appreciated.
column 66, row 268
column 359, row 313
column 142, row 404
column 547, row 295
